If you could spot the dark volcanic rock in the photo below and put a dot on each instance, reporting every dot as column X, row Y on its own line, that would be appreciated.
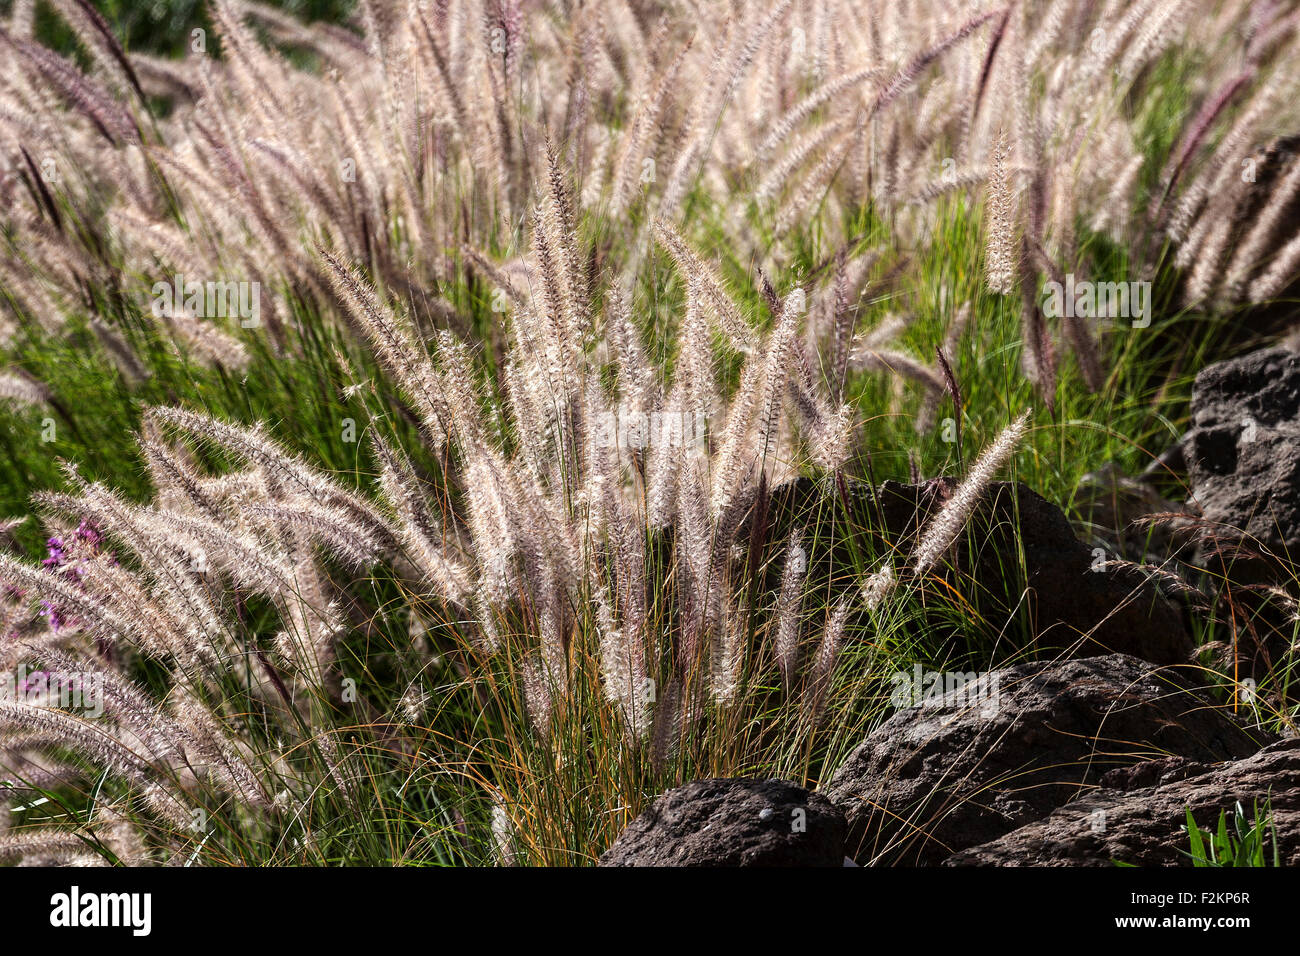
column 1019, row 562
column 990, row 757
column 1243, row 453
column 1144, row 827
column 1112, row 505
column 733, row 823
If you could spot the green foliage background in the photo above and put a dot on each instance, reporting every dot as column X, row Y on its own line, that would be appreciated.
column 163, row 26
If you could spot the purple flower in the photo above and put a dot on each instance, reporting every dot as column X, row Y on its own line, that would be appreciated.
column 56, row 553
column 67, row 556
column 89, row 532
